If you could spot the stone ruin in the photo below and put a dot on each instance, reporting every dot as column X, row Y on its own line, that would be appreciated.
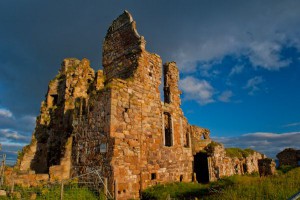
column 266, row 167
column 114, row 121
column 289, row 157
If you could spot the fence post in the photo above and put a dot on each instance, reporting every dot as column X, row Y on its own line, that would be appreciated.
column 168, row 197
column 105, row 187
column 2, row 169
column 116, row 189
column 62, row 190
column 13, row 186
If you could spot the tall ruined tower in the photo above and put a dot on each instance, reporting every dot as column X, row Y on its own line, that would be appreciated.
column 145, row 138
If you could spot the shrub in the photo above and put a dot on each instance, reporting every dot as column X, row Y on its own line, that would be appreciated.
column 285, row 168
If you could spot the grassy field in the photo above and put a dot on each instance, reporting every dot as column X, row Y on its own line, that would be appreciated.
column 70, row 192
column 281, row 186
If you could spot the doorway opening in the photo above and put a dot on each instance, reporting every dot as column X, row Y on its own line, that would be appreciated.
column 201, row 167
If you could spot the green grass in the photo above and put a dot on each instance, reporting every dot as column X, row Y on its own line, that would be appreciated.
column 239, row 153
column 281, row 186
column 71, row 192
column 285, row 168
column 175, row 190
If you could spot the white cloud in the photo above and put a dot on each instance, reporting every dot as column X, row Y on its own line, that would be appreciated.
column 253, row 84
column 267, row 143
column 206, row 68
column 292, row 124
column 225, row 96
column 267, row 55
column 7, row 134
column 198, row 90
column 236, row 70
column 5, row 113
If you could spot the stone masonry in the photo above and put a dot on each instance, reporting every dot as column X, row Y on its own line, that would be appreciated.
column 114, row 121
column 289, row 156
column 267, row 167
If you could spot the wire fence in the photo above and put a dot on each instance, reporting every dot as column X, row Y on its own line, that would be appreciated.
column 89, row 186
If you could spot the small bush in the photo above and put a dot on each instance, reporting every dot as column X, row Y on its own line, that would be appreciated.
column 285, row 168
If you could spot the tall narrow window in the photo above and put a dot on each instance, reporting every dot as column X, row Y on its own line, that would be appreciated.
column 54, row 99
column 187, row 139
column 167, row 94
column 168, row 129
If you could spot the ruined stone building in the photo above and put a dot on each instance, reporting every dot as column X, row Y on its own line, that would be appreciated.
column 289, row 156
column 114, row 121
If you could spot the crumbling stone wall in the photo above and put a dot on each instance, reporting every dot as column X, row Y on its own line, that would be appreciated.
column 92, row 144
column 200, row 138
column 221, row 164
column 266, row 167
column 24, row 179
column 289, row 156
column 51, row 143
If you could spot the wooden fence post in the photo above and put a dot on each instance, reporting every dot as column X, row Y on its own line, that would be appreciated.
column 2, row 171
column 62, row 190
column 168, row 197
column 13, row 186
column 116, row 189
column 105, row 187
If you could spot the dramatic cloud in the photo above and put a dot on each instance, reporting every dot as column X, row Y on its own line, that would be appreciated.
column 5, row 113
column 267, row 143
column 254, row 30
column 198, row 90
column 225, row 96
column 253, row 84
column 36, row 35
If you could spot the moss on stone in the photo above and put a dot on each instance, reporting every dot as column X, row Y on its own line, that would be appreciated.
column 211, row 146
column 214, row 144
column 238, row 153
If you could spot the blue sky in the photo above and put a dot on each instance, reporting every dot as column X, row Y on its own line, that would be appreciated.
column 239, row 62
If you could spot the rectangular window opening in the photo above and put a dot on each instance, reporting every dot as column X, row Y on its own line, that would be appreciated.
column 187, row 140
column 103, row 148
column 153, row 176
column 54, row 99
column 167, row 94
column 168, row 129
